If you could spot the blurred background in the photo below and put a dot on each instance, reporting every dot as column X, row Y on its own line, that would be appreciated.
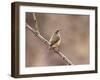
column 74, row 39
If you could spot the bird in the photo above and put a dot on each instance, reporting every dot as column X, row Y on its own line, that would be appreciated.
column 55, row 40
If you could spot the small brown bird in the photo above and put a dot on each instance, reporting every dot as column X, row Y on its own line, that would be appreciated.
column 55, row 39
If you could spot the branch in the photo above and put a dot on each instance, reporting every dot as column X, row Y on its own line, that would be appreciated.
column 68, row 62
column 36, row 22
column 38, row 35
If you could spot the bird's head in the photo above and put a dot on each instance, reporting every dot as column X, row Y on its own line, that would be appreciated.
column 57, row 31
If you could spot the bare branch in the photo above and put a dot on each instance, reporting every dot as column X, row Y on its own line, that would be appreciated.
column 68, row 62
column 63, row 57
column 38, row 35
column 36, row 22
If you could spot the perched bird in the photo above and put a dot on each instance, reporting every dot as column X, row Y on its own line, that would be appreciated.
column 55, row 40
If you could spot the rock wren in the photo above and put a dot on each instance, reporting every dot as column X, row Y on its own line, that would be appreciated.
column 55, row 39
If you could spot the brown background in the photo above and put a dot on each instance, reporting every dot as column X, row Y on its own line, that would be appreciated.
column 74, row 39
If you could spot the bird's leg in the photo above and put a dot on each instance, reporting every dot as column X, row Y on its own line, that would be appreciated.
column 56, row 48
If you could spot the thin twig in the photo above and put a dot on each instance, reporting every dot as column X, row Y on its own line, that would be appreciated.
column 36, row 22
column 68, row 62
